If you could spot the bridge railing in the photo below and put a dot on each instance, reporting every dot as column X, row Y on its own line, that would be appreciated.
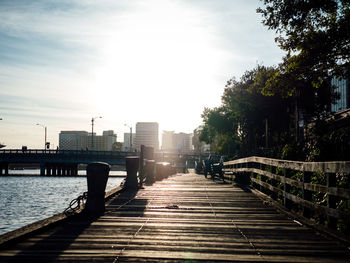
column 71, row 152
column 317, row 190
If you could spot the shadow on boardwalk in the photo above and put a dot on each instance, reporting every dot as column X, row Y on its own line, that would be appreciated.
column 184, row 218
column 49, row 244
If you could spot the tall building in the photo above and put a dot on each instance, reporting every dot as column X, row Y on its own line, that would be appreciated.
column 176, row 142
column 109, row 138
column 343, row 90
column 73, row 140
column 81, row 140
column 183, row 142
column 126, row 144
column 168, row 141
column 147, row 134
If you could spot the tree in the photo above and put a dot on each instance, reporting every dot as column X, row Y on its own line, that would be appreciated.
column 316, row 35
column 238, row 126
column 117, row 146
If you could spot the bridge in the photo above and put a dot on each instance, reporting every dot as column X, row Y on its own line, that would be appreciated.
column 65, row 162
column 59, row 162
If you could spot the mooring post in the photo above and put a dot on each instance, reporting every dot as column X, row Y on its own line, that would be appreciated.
column 150, row 164
column 132, row 166
column 97, row 176
column 141, row 165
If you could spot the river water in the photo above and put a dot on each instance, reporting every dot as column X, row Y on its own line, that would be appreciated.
column 26, row 197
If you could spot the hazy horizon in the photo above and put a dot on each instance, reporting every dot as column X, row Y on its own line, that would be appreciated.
column 64, row 62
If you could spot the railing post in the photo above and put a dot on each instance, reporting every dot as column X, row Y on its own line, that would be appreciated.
column 274, row 195
column 97, row 176
column 263, row 179
column 307, row 195
column 232, row 166
column 286, row 187
column 332, row 200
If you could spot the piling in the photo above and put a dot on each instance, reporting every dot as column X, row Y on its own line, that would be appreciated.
column 97, row 176
column 132, row 166
column 4, row 168
column 149, row 170
column 163, row 170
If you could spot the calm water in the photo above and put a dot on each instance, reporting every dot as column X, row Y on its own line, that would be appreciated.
column 25, row 199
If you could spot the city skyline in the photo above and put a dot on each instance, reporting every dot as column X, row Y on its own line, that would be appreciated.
column 125, row 141
column 63, row 63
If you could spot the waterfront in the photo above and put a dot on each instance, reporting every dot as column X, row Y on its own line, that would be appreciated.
column 26, row 197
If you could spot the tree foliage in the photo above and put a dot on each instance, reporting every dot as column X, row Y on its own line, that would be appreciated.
column 316, row 37
column 117, row 146
column 263, row 110
column 318, row 32
column 238, row 126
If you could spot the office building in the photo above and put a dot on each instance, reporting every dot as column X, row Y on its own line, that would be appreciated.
column 73, row 140
column 82, row 140
column 147, row 134
column 176, row 142
column 342, row 88
column 183, row 142
column 168, row 141
column 126, row 144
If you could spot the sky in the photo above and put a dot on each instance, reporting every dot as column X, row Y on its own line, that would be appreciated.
column 65, row 62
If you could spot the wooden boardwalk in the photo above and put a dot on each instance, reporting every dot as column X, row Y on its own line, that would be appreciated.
column 185, row 218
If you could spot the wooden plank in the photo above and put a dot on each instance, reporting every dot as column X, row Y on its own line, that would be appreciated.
column 339, row 192
column 327, row 167
column 183, row 218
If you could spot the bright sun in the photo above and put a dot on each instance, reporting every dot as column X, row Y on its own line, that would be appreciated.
column 151, row 61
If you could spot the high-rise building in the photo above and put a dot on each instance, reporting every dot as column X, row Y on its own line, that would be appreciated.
column 168, row 143
column 78, row 140
column 344, row 94
column 73, row 140
column 183, row 142
column 147, row 134
column 109, row 138
column 126, row 144
column 176, row 142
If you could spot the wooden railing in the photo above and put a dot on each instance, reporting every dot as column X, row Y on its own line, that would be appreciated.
column 312, row 188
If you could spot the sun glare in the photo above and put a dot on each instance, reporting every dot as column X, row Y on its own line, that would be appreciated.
column 153, row 58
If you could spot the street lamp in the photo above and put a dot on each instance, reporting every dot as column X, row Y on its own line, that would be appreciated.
column 130, row 135
column 92, row 130
column 45, row 133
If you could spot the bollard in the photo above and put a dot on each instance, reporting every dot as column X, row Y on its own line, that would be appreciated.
column 132, row 166
column 97, row 176
column 150, row 173
column 162, row 170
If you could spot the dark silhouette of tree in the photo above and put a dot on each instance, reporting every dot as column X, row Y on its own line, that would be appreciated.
column 247, row 120
column 316, row 37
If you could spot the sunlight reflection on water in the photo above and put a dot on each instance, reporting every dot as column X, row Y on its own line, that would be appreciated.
column 26, row 199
